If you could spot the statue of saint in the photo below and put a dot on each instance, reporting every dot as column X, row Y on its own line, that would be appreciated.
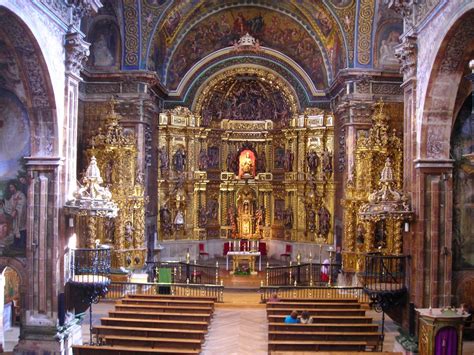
column 202, row 218
column 163, row 157
column 179, row 160
column 327, row 163
column 246, row 164
column 203, row 160
column 165, row 219
column 313, row 160
column 288, row 218
column 324, row 221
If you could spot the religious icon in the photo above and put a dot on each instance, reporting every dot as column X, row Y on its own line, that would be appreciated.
column 247, row 164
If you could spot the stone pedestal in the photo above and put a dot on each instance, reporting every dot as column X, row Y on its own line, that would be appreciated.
column 49, row 340
column 440, row 331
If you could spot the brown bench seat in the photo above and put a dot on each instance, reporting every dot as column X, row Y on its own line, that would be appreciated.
column 320, row 327
column 316, row 345
column 371, row 338
column 314, row 305
column 200, row 317
column 320, row 300
column 173, row 297
column 326, row 319
column 165, row 302
column 123, row 350
column 100, row 330
column 150, row 342
column 154, row 323
column 163, row 308
column 316, row 312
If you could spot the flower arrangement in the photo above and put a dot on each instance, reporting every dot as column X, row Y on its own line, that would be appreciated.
column 242, row 270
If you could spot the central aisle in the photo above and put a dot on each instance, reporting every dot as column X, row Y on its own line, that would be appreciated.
column 239, row 326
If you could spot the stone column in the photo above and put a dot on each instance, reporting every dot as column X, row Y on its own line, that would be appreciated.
column 77, row 51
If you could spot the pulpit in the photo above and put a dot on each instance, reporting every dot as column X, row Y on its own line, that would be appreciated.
column 440, row 331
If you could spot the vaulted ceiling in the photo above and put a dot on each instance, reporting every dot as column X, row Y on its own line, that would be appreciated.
column 307, row 41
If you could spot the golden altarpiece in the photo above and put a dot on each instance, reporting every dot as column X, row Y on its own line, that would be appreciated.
column 245, row 178
column 374, row 207
column 116, row 155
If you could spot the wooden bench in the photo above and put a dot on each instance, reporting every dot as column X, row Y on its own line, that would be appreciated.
column 150, row 342
column 163, row 308
column 372, row 338
column 316, row 345
column 314, row 305
column 123, row 350
column 167, row 302
column 320, row 300
column 174, row 297
column 319, row 327
column 199, row 317
column 101, row 330
column 317, row 312
column 326, row 319
column 154, row 323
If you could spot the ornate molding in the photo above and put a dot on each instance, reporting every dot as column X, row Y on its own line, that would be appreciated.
column 406, row 53
column 77, row 51
column 403, row 7
column 83, row 8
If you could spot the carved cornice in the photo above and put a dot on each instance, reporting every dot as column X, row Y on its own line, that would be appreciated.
column 77, row 51
column 83, row 8
column 403, row 7
column 406, row 53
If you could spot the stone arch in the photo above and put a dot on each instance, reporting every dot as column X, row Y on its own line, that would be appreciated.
column 21, row 269
column 455, row 49
column 35, row 75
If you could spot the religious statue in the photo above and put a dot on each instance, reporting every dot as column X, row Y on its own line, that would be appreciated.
column 165, row 219
column 246, row 218
column 179, row 219
column 163, row 157
column 128, row 234
column 313, row 161
column 231, row 219
column 288, row 215
column 247, row 167
column 202, row 217
column 360, row 232
column 92, row 181
column 289, row 157
column 324, row 221
column 327, row 163
column 260, row 216
column 311, row 220
column 203, row 160
column 231, row 162
column 179, row 160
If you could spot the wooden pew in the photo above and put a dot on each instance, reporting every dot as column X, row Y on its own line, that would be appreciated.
column 154, row 323
column 317, row 312
column 162, row 308
column 320, row 327
column 123, row 350
column 327, row 319
column 167, row 302
column 199, row 317
column 101, row 330
column 315, row 305
column 150, row 342
column 321, row 300
column 174, row 297
column 372, row 338
column 316, row 345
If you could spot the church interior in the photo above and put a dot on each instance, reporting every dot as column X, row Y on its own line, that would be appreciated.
column 193, row 176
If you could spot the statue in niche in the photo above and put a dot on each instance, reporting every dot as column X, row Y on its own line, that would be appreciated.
column 247, row 164
column 289, row 157
column 165, row 219
column 324, row 221
column 261, row 162
column 163, row 157
column 246, row 218
column 179, row 160
column 360, row 232
column 179, row 219
column 232, row 162
column 260, row 217
column 202, row 217
column 128, row 234
column 311, row 220
column 101, row 52
column 313, row 160
column 288, row 215
column 203, row 160
column 327, row 163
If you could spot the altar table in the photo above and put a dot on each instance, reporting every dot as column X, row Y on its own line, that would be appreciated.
column 244, row 255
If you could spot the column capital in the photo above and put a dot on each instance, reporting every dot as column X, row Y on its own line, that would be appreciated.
column 407, row 53
column 83, row 8
column 77, row 51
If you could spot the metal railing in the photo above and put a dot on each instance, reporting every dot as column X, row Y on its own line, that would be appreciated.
column 185, row 273
column 384, row 273
column 308, row 274
column 313, row 292
column 119, row 290
column 89, row 265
